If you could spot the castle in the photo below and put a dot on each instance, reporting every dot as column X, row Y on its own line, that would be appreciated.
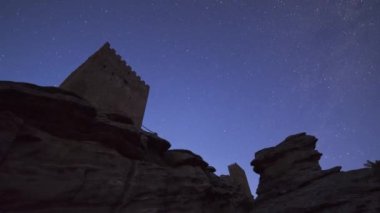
column 111, row 85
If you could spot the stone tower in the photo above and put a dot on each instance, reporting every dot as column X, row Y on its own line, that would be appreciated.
column 106, row 81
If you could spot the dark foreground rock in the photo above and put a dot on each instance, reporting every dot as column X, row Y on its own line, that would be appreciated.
column 59, row 154
column 291, row 180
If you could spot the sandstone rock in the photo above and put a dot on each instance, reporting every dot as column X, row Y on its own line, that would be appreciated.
column 291, row 180
column 239, row 177
column 58, row 153
column 211, row 169
column 180, row 157
column 156, row 143
column 65, row 115
column 9, row 127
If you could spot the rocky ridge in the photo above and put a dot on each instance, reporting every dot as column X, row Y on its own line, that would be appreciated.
column 291, row 180
column 59, row 154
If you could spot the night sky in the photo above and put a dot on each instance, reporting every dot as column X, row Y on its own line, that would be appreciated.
column 227, row 78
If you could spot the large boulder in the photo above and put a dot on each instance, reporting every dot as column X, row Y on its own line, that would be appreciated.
column 291, row 180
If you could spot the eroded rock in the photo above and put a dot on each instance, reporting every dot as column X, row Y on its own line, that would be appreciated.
column 291, row 180
column 60, row 154
column 180, row 157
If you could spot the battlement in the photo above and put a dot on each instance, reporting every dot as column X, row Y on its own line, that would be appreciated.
column 106, row 49
column 109, row 83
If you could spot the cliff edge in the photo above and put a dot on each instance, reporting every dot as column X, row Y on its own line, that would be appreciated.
column 58, row 153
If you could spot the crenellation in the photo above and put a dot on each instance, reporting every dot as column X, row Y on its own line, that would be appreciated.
column 105, row 79
column 128, row 69
column 113, row 52
column 135, row 76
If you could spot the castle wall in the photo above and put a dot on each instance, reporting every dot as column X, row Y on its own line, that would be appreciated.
column 110, row 84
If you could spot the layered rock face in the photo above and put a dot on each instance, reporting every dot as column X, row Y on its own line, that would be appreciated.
column 291, row 180
column 59, row 154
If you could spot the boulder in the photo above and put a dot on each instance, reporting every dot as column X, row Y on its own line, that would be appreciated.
column 291, row 180
column 181, row 157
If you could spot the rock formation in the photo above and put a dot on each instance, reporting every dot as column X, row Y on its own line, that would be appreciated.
column 59, row 154
column 291, row 180
column 238, row 175
column 77, row 149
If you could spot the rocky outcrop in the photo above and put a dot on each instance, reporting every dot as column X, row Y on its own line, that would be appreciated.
column 179, row 157
column 291, row 180
column 60, row 154
column 238, row 176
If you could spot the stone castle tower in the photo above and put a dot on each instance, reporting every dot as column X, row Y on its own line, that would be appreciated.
column 106, row 81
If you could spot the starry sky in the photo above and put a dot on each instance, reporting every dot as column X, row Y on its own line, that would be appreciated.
column 227, row 78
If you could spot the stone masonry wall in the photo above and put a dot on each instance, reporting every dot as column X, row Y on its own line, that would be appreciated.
column 110, row 84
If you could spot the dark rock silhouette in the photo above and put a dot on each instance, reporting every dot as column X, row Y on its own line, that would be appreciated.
column 59, row 154
column 291, row 180
column 238, row 175
column 72, row 149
